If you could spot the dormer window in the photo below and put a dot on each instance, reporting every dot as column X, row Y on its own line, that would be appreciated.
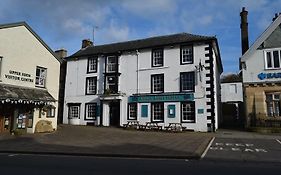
column 157, row 58
column 272, row 59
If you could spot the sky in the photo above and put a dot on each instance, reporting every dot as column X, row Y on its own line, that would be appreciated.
column 65, row 23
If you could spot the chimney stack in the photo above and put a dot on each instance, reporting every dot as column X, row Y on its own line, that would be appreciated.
column 86, row 43
column 244, row 30
column 61, row 53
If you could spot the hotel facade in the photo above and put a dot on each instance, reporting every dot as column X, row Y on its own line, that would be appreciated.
column 165, row 79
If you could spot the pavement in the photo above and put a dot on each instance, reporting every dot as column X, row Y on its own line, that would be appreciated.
column 109, row 142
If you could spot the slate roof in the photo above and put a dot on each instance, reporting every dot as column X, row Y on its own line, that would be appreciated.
column 22, row 93
column 142, row 44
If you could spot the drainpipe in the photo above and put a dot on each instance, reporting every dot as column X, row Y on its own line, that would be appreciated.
column 137, row 54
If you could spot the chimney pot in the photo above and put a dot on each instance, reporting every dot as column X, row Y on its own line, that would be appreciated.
column 86, row 43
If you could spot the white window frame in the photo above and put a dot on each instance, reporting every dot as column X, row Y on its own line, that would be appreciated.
column 51, row 112
column 153, row 81
column 91, row 87
column 157, row 54
column 74, row 112
column 188, row 54
column 133, row 108
column 273, row 102
column 93, row 107
column 111, row 67
column 92, row 64
column 190, row 111
column 40, row 80
column 189, row 82
column 153, row 106
column 272, row 58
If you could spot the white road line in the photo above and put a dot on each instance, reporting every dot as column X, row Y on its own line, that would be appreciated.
column 278, row 141
column 208, row 147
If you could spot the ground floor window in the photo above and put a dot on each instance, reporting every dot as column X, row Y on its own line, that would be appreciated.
column 74, row 111
column 188, row 112
column 273, row 104
column 133, row 111
column 90, row 111
column 50, row 111
column 157, row 111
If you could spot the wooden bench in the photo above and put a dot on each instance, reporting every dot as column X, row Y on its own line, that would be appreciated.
column 175, row 127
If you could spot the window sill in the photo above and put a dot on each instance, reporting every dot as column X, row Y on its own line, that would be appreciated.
column 153, row 68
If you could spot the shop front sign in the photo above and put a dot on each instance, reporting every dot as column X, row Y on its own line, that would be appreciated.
column 263, row 76
column 161, row 98
column 19, row 76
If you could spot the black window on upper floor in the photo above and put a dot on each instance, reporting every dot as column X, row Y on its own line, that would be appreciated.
column 157, row 58
column 91, row 85
column 187, row 81
column 111, row 84
column 157, row 83
column 111, row 64
column 92, row 66
column 186, row 54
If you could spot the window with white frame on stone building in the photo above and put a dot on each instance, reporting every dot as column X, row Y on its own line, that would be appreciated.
column 186, row 55
column 157, row 111
column 273, row 104
column 92, row 64
column 157, row 83
column 272, row 59
column 188, row 112
column 90, row 111
column 157, row 57
column 91, row 85
column 41, row 75
column 74, row 112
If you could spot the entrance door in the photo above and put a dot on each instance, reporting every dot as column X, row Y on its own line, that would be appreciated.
column 114, row 114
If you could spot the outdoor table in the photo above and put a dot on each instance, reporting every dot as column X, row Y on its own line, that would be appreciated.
column 152, row 126
column 175, row 127
column 132, row 124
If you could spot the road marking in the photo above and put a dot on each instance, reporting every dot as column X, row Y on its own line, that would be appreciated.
column 208, row 147
column 12, row 155
column 278, row 141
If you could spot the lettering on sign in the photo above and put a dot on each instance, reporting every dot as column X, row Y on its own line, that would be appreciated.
column 237, row 147
column 19, row 76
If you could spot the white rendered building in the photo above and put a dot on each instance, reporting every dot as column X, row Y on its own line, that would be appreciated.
column 165, row 79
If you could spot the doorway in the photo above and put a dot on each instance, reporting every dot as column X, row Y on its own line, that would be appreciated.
column 114, row 113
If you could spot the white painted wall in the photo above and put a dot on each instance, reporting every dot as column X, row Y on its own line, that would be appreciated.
column 22, row 52
column 228, row 95
column 129, row 62
column 255, row 64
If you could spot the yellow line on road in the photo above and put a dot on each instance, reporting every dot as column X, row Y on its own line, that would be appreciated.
column 208, row 147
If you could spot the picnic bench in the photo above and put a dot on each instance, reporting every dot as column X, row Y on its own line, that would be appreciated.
column 132, row 124
column 175, row 127
column 152, row 126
